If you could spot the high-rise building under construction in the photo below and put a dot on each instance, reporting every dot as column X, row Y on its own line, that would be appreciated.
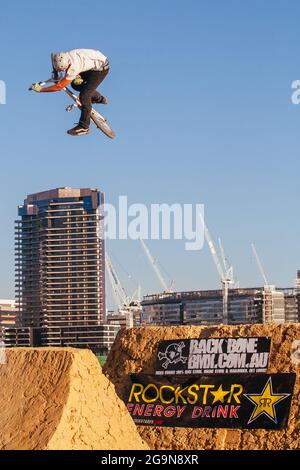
column 60, row 267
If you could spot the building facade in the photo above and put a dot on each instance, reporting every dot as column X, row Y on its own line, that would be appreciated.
column 291, row 306
column 298, row 280
column 60, row 267
column 252, row 305
column 8, row 312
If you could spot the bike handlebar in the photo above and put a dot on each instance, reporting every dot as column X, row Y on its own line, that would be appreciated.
column 50, row 80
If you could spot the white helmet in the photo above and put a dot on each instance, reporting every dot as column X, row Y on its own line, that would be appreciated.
column 60, row 61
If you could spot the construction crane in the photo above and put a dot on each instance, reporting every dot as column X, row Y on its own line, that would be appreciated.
column 119, row 293
column 127, row 306
column 269, row 291
column 156, row 269
column 259, row 264
column 225, row 275
column 227, row 266
column 137, row 294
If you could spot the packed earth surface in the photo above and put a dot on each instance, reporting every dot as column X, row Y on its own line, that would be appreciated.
column 58, row 398
column 134, row 351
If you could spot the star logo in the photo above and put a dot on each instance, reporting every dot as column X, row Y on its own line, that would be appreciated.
column 265, row 402
column 219, row 395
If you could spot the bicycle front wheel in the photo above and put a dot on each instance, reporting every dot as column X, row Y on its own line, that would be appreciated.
column 103, row 125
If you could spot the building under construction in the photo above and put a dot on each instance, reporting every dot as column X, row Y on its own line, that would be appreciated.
column 252, row 305
column 60, row 270
column 230, row 305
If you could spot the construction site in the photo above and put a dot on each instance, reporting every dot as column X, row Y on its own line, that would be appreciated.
column 63, row 270
column 231, row 304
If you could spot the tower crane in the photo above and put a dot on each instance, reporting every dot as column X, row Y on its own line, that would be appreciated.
column 119, row 293
column 259, row 264
column 225, row 275
column 156, row 269
column 127, row 306
column 269, row 291
column 227, row 266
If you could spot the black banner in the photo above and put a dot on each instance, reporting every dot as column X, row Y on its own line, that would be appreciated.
column 247, row 401
column 136, row 458
column 213, row 356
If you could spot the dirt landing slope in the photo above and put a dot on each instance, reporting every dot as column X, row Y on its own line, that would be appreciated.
column 58, row 398
column 134, row 352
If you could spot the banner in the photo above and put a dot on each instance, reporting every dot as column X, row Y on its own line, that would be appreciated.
column 248, row 401
column 213, row 356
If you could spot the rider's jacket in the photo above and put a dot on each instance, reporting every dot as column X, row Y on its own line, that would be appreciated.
column 83, row 60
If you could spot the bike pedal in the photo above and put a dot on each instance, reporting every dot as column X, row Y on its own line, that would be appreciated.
column 70, row 107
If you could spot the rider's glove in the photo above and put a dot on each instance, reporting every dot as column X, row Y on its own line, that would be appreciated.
column 78, row 80
column 36, row 87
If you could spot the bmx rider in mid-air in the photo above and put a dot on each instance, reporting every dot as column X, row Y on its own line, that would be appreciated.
column 85, row 69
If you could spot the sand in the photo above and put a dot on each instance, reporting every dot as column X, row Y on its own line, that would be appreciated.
column 134, row 351
column 58, row 398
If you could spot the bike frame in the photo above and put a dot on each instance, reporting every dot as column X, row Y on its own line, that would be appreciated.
column 66, row 89
column 74, row 97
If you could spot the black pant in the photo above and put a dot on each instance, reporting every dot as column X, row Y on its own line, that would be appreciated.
column 88, row 93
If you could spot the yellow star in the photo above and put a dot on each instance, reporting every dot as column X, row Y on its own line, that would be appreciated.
column 219, row 395
column 265, row 402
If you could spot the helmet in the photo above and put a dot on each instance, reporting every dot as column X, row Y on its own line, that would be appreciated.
column 60, row 61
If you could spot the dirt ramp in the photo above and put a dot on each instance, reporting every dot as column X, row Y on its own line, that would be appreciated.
column 134, row 351
column 58, row 398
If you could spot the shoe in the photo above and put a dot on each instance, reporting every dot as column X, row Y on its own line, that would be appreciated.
column 78, row 130
column 103, row 100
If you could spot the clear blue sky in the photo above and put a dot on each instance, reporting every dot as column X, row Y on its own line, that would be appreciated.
column 200, row 99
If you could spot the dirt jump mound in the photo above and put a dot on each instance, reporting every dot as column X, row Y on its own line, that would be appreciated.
column 58, row 398
column 135, row 351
